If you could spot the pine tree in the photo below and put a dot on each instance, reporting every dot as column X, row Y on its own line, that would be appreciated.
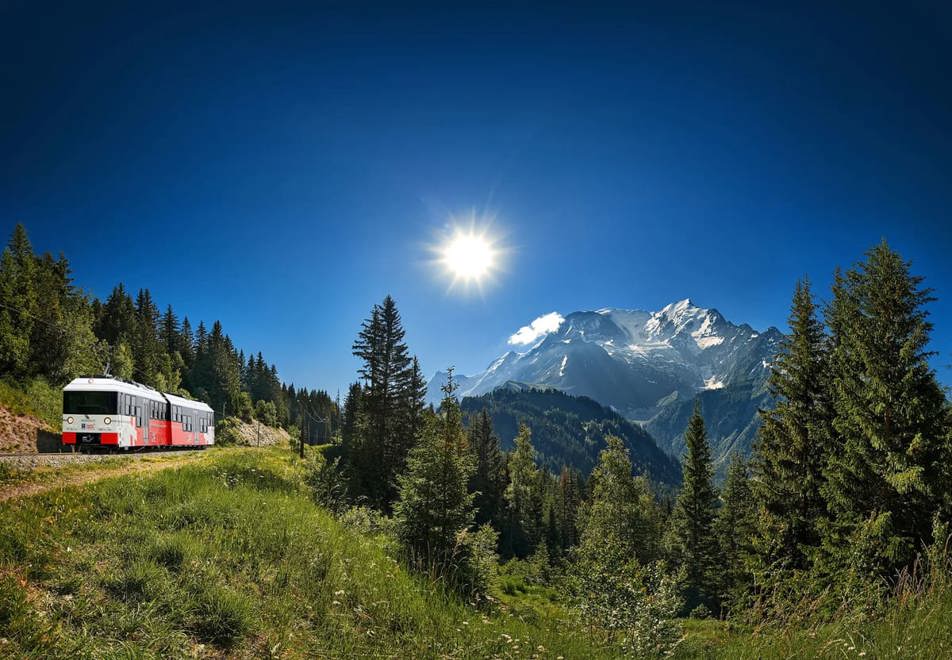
column 795, row 442
column 691, row 541
column 434, row 505
column 18, row 297
column 117, row 321
column 735, row 527
column 489, row 479
column 389, row 391
column 186, row 344
column 169, row 331
column 145, row 341
column 890, row 477
column 523, row 498
column 621, row 513
column 569, row 499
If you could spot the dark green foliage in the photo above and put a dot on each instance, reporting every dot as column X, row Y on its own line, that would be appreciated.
column 45, row 322
column 489, row 478
column 391, row 406
column 434, row 505
column 622, row 512
column 795, row 442
column 889, row 474
column 571, row 430
column 691, row 542
column 735, row 527
column 524, row 498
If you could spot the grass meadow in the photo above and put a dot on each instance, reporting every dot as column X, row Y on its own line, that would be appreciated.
column 230, row 556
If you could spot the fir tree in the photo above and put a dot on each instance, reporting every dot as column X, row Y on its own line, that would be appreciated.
column 117, row 322
column 434, row 505
column 169, row 331
column 489, row 479
column 389, row 391
column 18, row 297
column 145, row 342
column 795, row 441
column 523, row 497
column 691, row 542
column 890, row 476
column 735, row 527
column 622, row 512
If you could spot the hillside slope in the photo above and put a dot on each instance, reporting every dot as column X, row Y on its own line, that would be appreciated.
column 570, row 430
column 230, row 557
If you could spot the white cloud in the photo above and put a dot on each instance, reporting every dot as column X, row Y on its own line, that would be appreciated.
column 543, row 325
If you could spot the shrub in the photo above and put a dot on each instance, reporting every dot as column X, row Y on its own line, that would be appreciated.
column 636, row 605
column 325, row 480
column 226, row 432
column 475, row 561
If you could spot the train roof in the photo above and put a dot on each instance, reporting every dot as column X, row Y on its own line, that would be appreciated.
column 105, row 384
column 188, row 403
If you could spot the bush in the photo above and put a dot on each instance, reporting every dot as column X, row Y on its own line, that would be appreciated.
column 226, row 432
column 475, row 562
column 325, row 480
column 266, row 413
column 365, row 520
column 636, row 605
column 245, row 408
column 539, row 566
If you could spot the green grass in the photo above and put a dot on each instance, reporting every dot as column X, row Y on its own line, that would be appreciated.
column 919, row 626
column 35, row 397
column 229, row 556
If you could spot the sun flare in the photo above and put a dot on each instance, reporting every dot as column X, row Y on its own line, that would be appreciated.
column 468, row 256
column 469, row 252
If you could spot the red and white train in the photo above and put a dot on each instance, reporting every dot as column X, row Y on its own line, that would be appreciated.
column 107, row 413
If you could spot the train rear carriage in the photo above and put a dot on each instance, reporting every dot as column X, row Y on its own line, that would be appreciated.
column 192, row 423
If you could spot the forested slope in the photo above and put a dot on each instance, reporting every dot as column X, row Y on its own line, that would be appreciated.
column 570, row 430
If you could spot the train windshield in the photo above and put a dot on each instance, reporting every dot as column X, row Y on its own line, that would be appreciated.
column 90, row 403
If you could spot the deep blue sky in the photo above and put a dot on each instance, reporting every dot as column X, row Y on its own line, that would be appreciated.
column 283, row 169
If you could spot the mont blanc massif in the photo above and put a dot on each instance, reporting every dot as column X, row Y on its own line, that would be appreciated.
column 648, row 367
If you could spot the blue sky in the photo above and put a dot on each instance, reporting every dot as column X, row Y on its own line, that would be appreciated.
column 283, row 168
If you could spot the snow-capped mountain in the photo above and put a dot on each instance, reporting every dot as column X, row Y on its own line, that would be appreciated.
column 650, row 366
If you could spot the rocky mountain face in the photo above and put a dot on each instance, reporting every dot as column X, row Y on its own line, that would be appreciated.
column 650, row 367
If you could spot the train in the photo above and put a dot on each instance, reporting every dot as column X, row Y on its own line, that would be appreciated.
column 103, row 413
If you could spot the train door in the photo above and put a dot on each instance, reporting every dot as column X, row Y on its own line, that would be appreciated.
column 140, row 421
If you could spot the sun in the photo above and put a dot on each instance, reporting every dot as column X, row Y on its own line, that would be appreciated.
column 468, row 256
column 469, row 252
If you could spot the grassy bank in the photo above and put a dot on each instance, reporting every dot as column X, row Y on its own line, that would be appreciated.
column 36, row 397
column 231, row 556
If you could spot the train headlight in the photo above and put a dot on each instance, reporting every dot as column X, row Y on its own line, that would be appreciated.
column 69, row 420
column 107, row 421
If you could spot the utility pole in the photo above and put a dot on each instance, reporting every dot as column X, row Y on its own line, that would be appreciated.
column 303, row 432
